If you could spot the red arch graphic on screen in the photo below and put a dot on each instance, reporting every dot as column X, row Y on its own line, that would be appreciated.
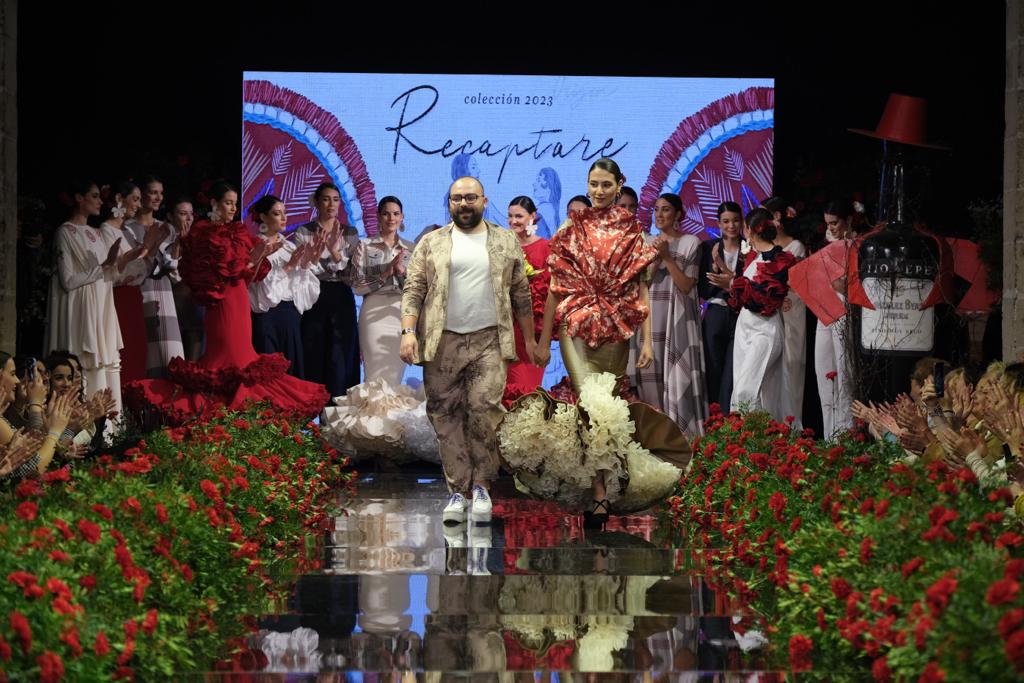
column 744, row 160
column 330, row 129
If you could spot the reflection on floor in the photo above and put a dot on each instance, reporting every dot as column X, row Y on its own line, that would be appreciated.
column 401, row 596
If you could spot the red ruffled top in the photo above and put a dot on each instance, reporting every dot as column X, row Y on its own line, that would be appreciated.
column 764, row 293
column 597, row 261
column 215, row 256
column 215, row 265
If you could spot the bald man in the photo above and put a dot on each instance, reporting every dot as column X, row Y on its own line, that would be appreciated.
column 464, row 284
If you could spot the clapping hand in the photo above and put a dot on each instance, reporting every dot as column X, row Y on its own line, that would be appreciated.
column 21, row 447
column 155, row 236
column 58, row 413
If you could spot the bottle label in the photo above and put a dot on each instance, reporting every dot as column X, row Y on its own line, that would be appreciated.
column 897, row 323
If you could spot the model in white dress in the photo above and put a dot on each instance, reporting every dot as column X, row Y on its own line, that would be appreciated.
column 758, row 349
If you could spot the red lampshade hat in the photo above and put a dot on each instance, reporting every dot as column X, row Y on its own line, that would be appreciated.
column 904, row 121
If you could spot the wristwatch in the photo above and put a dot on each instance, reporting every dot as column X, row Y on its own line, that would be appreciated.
column 408, row 330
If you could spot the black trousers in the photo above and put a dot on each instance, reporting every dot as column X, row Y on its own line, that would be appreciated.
column 330, row 339
column 279, row 330
column 718, row 331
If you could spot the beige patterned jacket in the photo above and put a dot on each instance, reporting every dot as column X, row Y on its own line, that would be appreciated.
column 426, row 286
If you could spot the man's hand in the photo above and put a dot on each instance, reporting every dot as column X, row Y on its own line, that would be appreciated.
column 409, row 351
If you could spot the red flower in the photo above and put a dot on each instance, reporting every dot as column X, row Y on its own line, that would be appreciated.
column 1014, row 648
column 62, row 606
column 831, row 375
column 27, row 510
column 87, row 582
column 1001, row 494
column 51, row 667
column 866, row 551
column 921, row 631
column 161, row 513
column 820, row 616
column 5, row 650
column 777, row 504
column 63, row 528
column 70, row 638
column 800, row 648
column 932, row 674
column 940, row 592
column 19, row 624
column 103, row 511
column 132, row 504
column 1002, row 591
column 210, row 489
column 59, row 556
column 149, row 623
column 61, row 474
column 1009, row 540
column 102, row 645
column 27, row 582
column 841, row 588
column 28, row 488
column 58, row 588
column 1010, row 622
column 90, row 531
column 1014, row 568
column 912, row 566
column 880, row 670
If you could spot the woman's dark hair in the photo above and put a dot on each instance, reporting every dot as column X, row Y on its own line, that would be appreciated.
column 390, row 199
column 148, row 179
column 626, row 189
column 673, row 199
column 525, row 202
column 323, row 187
column 761, row 224
column 729, row 207
column 775, row 203
column 180, row 199
column 221, row 188
column 839, row 207
column 263, row 205
column 57, row 358
column 81, row 186
column 123, row 188
column 609, row 165
column 579, row 198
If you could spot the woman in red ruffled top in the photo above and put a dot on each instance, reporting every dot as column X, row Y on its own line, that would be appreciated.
column 220, row 258
column 524, row 375
column 598, row 290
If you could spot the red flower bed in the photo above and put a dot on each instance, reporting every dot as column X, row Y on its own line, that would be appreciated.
column 143, row 567
column 851, row 560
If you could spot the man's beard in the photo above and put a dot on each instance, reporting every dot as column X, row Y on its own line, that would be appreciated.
column 467, row 221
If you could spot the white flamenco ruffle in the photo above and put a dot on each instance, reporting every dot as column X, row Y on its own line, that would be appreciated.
column 605, row 635
column 375, row 419
column 556, row 453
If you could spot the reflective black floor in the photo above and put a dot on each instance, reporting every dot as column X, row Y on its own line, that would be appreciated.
column 401, row 596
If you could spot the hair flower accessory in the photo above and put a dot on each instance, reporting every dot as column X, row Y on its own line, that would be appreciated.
column 531, row 229
column 118, row 211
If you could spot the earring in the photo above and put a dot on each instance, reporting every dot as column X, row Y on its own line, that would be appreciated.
column 118, row 211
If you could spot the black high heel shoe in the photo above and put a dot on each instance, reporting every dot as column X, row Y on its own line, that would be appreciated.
column 598, row 516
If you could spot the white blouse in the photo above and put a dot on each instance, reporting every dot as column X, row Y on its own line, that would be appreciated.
column 82, row 317
column 301, row 286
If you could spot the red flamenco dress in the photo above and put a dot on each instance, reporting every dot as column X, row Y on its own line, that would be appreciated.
column 215, row 266
column 523, row 376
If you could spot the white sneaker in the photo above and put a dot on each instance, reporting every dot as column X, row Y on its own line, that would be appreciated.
column 480, row 510
column 455, row 510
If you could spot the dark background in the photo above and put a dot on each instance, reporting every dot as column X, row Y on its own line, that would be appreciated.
column 119, row 91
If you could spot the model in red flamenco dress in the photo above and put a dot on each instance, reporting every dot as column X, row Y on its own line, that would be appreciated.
column 217, row 264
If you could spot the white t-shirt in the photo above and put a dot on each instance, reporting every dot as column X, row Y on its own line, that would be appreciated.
column 470, row 290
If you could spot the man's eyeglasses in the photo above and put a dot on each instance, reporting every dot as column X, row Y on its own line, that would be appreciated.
column 459, row 198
